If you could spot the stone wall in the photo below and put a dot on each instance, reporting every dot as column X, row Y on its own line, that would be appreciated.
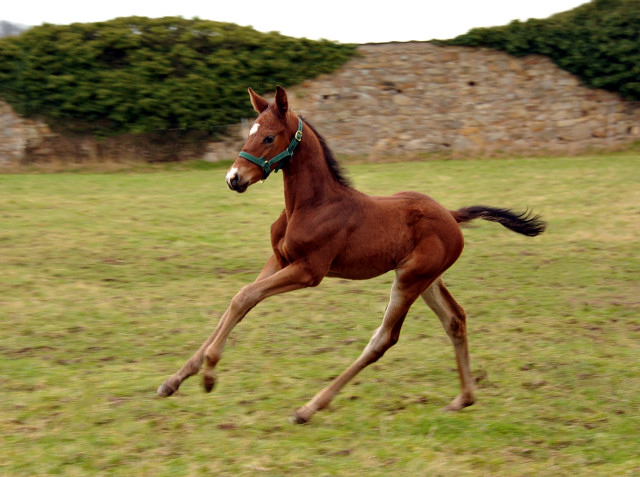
column 407, row 99
column 17, row 135
column 26, row 141
column 416, row 98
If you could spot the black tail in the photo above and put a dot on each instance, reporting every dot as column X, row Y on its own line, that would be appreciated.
column 525, row 223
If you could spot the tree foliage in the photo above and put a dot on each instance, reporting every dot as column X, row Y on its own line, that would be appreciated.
column 136, row 74
column 598, row 41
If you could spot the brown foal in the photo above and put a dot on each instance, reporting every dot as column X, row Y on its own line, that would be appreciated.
column 330, row 229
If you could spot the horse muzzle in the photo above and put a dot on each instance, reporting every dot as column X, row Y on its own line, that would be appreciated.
column 235, row 182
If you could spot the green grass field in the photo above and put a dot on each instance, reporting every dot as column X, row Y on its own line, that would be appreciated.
column 109, row 281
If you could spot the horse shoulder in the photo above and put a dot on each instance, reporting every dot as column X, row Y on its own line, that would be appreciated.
column 279, row 227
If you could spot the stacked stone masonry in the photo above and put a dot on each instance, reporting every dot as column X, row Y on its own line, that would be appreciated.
column 399, row 99
column 17, row 135
column 419, row 98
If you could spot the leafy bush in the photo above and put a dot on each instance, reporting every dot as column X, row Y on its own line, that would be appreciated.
column 138, row 74
column 598, row 41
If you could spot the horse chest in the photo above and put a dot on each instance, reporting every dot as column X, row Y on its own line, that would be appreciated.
column 307, row 234
column 293, row 246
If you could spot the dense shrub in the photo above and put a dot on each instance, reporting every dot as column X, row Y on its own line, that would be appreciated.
column 598, row 41
column 138, row 74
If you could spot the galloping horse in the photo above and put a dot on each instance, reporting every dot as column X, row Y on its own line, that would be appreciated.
column 329, row 229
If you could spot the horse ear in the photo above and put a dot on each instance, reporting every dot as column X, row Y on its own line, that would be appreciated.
column 258, row 102
column 282, row 102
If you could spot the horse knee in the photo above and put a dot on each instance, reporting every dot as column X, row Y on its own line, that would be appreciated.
column 310, row 279
column 243, row 301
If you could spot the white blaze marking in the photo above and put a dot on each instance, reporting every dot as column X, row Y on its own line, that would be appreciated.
column 232, row 172
column 254, row 129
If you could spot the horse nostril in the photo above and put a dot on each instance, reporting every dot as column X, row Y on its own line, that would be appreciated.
column 232, row 178
column 234, row 181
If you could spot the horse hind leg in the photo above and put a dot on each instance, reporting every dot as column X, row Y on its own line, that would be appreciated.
column 453, row 319
column 384, row 338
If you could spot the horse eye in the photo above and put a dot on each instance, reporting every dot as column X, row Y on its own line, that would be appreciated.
column 269, row 139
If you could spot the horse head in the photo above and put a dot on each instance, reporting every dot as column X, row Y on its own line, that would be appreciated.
column 269, row 143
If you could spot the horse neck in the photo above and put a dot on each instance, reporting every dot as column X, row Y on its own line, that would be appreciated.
column 307, row 178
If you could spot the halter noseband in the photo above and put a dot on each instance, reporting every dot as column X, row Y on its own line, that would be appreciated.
column 277, row 160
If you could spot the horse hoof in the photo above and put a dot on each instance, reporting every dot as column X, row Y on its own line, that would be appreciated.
column 459, row 403
column 208, row 383
column 165, row 390
column 298, row 419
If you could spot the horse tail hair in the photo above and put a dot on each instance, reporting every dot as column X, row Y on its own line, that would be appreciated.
column 525, row 223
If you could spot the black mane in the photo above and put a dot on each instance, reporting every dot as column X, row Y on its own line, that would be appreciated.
column 332, row 162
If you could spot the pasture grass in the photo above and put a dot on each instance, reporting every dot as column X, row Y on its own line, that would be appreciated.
column 109, row 281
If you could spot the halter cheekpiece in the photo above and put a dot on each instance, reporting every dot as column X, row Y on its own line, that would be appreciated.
column 281, row 159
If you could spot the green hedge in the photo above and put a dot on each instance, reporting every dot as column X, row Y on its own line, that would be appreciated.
column 598, row 41
column 136, row 75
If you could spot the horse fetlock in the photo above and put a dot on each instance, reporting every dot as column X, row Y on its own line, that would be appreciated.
column 211, row 358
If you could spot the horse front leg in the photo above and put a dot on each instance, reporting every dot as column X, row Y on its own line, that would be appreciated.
column 193, row 365
column 293, row 277
column 271, row 281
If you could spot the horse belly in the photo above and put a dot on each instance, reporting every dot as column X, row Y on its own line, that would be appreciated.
column 356, row 273
column 361, row 263
column 391, row 232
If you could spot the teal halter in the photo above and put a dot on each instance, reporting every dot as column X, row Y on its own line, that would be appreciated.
column 277, row 160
